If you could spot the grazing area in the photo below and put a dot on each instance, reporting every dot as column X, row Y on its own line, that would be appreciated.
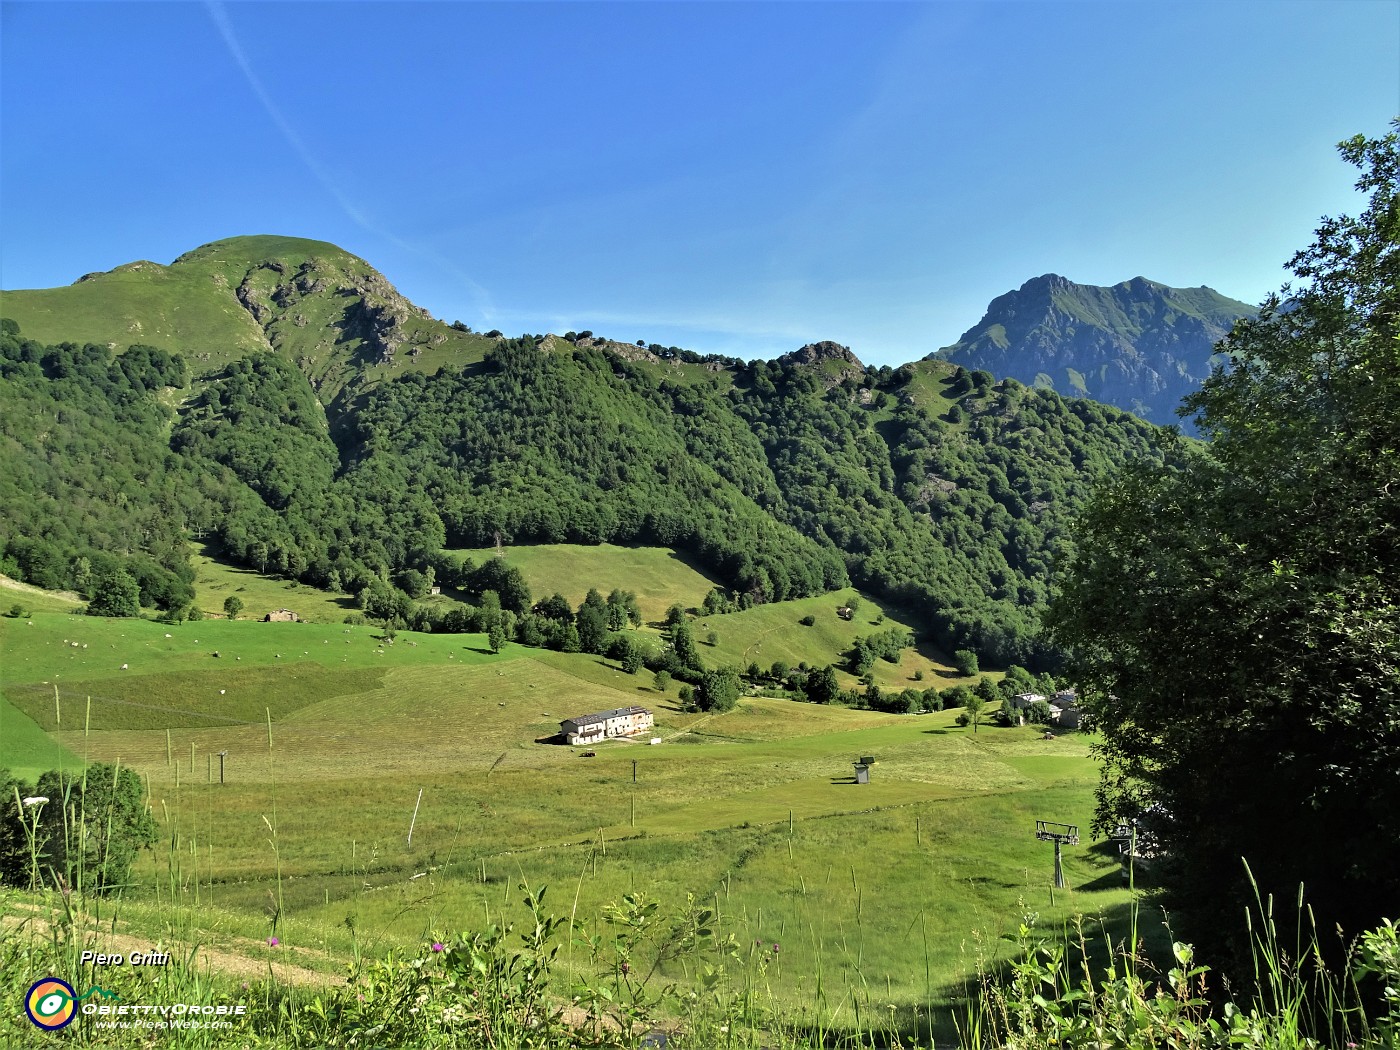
column 216, row 580
column 890, row 891
column 772, row 633
column 658, row 576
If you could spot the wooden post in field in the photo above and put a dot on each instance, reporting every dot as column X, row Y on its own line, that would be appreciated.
column 209, row 768
column 415, row 816
column 167, row 747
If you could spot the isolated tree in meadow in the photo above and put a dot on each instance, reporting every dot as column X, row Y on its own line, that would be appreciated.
column 683, row 641
column 233, row 606
column 973, row 707
column 627, row 652
column 1233, row 615
column 720, row 690
column 822, row 686
column 661, row 681
column 592, row 624
column 965, row 660
column 496, row 635
column 617, row 610
column 115, row 594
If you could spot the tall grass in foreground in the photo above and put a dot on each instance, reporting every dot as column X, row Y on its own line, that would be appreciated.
column 1052, row 995
column 72, row 910
column 497, row 986
column 648, row 973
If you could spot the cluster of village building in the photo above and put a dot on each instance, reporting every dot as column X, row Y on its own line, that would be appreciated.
column 1064, row 707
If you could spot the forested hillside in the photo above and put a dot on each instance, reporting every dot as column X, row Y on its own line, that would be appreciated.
column 929, row 484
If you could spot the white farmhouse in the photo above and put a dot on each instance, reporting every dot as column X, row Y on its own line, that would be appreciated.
column 622, row 721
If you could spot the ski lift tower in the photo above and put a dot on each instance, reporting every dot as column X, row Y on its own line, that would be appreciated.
column 1060, row 835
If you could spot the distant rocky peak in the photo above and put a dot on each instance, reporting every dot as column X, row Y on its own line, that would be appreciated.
column 821, row 352
column 1138, row 344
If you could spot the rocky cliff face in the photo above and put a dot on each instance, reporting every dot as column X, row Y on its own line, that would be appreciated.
column 1139, row 345
column 834, row 361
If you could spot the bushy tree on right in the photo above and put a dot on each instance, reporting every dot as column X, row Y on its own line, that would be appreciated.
column 1234, row 614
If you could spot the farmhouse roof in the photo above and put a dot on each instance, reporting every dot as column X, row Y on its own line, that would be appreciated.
column 603, row 716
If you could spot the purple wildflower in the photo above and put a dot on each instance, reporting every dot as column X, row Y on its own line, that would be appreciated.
column 273, row 942
column 775, row 947
column 437, row 946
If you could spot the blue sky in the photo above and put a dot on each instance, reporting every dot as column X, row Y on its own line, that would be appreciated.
column 737, row 178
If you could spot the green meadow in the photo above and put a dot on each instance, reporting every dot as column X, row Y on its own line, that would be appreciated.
column 217, row 580
column 31, row 599
column 770, row 633
column 659, row 576
column 882, row 895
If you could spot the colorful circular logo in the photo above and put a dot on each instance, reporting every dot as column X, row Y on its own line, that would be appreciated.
column 51, row 1003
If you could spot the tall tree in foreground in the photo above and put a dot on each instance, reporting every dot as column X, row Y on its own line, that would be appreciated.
column 1234, row 615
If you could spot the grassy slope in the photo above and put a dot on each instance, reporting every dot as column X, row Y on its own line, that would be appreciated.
column 659, row 576
column 216, row 580
column 768, row 633
column 25, row 749
column 191, row 306
column 927, row 388
column 30, row 598
column 765, row 634
column 938, row 845
column 170, row 307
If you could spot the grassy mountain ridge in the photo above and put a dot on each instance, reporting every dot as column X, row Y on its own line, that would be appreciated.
column 1139, row 344
column 329, row 311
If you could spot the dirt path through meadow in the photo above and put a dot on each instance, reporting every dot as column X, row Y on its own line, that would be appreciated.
column 223, row 960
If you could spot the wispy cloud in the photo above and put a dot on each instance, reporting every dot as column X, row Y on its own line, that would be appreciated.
column 356, row 214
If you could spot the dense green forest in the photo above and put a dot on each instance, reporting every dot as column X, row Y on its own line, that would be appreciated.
column 87, row 479
column 929, row 485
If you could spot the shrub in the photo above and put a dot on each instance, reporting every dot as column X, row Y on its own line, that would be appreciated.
column 116, row 594
column 96, row 853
